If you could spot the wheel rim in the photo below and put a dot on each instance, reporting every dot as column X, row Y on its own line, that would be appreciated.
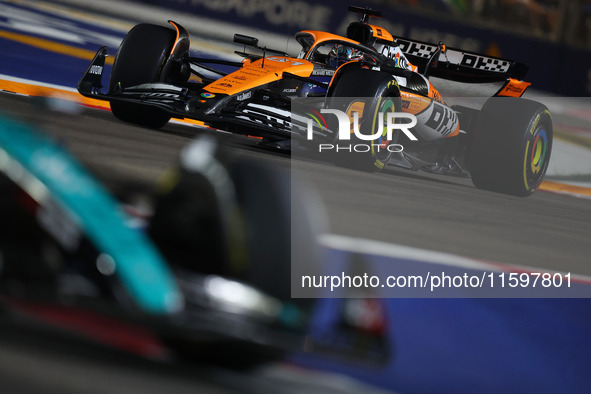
column 538, row 152
column 382, row 153
column 536, row 158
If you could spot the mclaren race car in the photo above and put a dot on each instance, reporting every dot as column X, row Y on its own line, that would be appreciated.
column 504, row 146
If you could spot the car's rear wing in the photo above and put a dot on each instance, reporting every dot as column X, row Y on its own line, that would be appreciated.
column 459, row 65
column 437, row 59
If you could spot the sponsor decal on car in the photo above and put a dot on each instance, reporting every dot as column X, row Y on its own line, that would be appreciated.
column 323, row 73
column 207, row 95
column 95, row 69
column 244, row 96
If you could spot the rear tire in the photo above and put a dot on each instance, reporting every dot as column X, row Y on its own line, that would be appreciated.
column 139, row 60
column 378, row 92
column 509, row 149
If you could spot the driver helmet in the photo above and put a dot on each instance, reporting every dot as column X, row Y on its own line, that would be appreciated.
column 341, row 54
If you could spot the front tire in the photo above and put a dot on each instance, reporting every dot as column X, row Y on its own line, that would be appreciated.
column 139, row 60
column 509, row 150
column 372, row 92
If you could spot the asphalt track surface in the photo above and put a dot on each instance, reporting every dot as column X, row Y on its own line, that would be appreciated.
column 399, row 206
column 432, row 212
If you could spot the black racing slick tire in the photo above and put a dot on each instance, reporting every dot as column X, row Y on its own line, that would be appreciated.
column 139, row 60
column 371, row 92
column 509, row 149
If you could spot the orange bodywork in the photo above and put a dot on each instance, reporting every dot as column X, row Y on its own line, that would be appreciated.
column 258, row 73
column 413, row 103
column 434, row 94
column 178, row 34
column 513, row 88
column 381, row 33
column 261, row 72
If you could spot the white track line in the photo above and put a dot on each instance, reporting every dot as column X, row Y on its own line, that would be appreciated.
column 378, row 248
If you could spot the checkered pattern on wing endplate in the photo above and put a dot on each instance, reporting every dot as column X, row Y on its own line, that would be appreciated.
column 485, row 63
column 417, row 49
column 490, row 64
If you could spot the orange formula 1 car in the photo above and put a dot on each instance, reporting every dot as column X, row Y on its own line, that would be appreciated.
column 504, row 146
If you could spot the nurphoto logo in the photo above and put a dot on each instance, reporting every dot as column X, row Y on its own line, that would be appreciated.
column 348, row 124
